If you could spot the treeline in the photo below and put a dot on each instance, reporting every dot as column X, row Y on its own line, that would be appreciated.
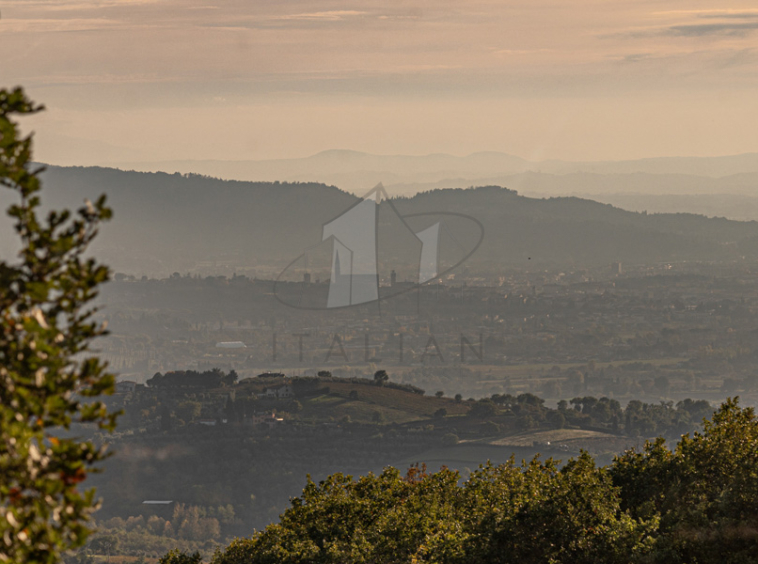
column 214, row 378
column 188, row 522
column 695, row 503
column 189, row 527
column 637, row 419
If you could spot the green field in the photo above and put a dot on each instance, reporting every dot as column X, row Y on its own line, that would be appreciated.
column 372, row 404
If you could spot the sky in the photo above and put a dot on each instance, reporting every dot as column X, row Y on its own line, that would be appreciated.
column 153, row 80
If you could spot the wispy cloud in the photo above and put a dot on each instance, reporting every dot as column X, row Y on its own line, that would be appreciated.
column 295, row 20
column 9, row 25
column 739, row 58
column 406, row 68
column 717, row 13
column 686, row 61
column 689, row 23
column 106, row 78
column 731, row 15
column 331, row 16
column 636, row 57
column 721, row 28
column 75, row 5
column 506, row 52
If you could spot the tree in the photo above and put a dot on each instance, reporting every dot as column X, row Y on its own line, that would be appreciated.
column 450, row 439
column 106, row 544
column 440, row 413
column 506, row 514
column 490, row 428
column 177, row 556
column 483, row 408
column 165, row 414
column 155, row 381
column 525, row 422
column 571, row 516
column 47, row 379
column 381, row 376
column 693, row 504
column 230, row 379
column 439, row 394
column 189, row 410
column 556, row 419
column 81, row 556
column 530, row 399
column 704, row 491
column 324, row 374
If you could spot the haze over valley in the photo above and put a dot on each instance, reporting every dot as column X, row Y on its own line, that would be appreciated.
column 315, row 282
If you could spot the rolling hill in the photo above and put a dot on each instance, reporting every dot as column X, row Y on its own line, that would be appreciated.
column 354, row 170
column 171, row 222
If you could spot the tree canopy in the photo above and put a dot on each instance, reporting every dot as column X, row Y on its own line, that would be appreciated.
column 695, row 503
column 48, row 381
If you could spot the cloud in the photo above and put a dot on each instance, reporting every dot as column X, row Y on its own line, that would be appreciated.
column 54, row 25
column 731, row 15
column 422, row 68
column 724, row 28
column 739, row 58
column 331, row 15
column 688, row 23
column 636, row 57
column 709, row 14
column 51, row 5
column 104, row 78
column 689, row 62
column 520, row 51
column 283, row 21
column 702, row 30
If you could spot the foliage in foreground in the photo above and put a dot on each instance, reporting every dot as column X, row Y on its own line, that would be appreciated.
column 696, row 503
column 46, row 384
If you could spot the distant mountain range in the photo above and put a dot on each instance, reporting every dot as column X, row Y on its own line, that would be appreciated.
column 401, row 174
column 734, row 196
column 171, row 222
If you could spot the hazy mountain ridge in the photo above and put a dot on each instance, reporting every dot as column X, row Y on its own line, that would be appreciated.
column 734, row 196
column 549, row 184
column 732, row 206
column 354, row 170
column 167, row 222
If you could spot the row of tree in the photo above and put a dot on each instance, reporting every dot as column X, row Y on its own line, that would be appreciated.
column 214, row 378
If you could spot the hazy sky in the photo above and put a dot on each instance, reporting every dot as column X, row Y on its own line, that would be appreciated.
column 128, row 80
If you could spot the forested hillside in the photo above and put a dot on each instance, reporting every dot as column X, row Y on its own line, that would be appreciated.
column 166, row 223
